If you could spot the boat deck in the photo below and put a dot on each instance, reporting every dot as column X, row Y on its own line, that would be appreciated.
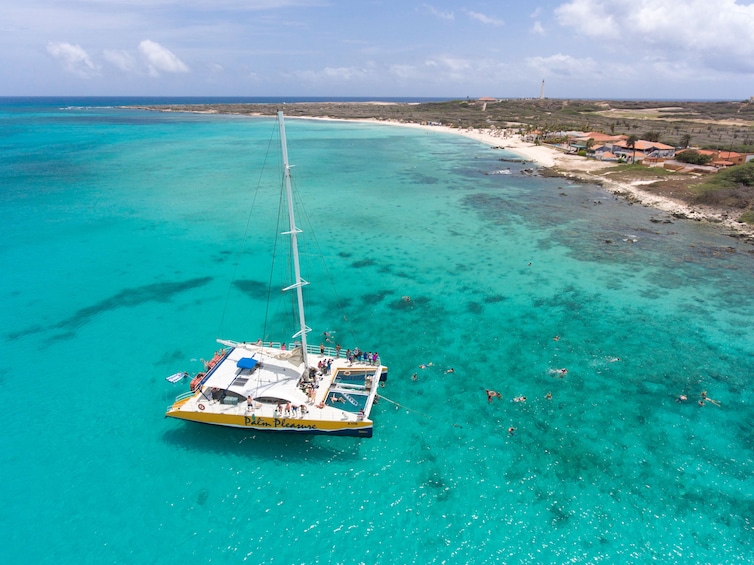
column 284, row 392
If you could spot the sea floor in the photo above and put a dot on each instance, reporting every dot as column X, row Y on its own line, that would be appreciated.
column 129, row 248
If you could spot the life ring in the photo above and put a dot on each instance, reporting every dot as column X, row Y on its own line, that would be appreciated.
column 346, row 373
column 201, row 406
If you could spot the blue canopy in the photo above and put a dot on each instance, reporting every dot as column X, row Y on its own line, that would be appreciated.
column 246, row 363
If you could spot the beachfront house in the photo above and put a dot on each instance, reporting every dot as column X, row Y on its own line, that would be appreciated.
column 585, row 141
column 602, row 153
column 606, row 147
column 643, row 151
column 532, row 136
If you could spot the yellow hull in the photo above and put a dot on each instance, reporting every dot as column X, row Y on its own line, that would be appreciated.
column 361, row 428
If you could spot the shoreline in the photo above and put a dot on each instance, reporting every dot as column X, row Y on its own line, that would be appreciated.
column 572, row 167
column 578, row 168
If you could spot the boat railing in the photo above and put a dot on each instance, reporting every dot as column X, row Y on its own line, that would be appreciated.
column 330, row 352
column 182, row 396
column 327, row 351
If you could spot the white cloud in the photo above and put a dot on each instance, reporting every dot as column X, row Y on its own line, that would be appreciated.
column 717, row 34
column 121, row 59
column 564, row 66
column 537, row 28
column 158, row 58
column 75, row 59
column 452, row 64
column 485, row 19
column 447, row 69
column 439, row 13
column 591, row 17
column 440, row 71
column 332, row 74
column 403, row 71
column 344, row 73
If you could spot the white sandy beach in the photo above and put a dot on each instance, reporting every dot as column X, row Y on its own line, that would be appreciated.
column 588, row 170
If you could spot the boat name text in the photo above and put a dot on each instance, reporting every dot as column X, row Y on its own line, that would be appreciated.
column 276, row 423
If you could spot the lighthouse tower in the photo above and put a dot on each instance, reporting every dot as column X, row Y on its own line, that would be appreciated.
column 542, row 90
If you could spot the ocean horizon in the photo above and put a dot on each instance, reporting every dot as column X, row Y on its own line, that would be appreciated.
column 105, row 101
column 134, row 239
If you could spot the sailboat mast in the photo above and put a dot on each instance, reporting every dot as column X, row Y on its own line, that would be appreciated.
column 293, row 232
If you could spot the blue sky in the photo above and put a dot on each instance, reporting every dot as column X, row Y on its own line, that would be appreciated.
column 581, row 48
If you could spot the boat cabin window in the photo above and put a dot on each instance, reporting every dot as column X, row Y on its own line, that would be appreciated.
column 226, row 396
column 240, row 381
column 271, row 400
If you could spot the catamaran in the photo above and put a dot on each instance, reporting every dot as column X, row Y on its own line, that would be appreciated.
column 281, row 387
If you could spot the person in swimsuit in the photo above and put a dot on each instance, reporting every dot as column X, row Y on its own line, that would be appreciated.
column 492, row 394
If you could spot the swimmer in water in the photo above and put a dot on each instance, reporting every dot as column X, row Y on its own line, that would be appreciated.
column 492, row 394
column 706, row 398
column 519, row 399
column 548, row 396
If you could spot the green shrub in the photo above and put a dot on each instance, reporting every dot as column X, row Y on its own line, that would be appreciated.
column 693, row 157
column 732, row 187
column 748, row 217
column 740, row 174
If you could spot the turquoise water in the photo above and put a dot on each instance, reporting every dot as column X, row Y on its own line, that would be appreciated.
column 122, row 232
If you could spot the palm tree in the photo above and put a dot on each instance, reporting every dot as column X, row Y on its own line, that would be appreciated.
column 685, row 140
column 631, row 142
